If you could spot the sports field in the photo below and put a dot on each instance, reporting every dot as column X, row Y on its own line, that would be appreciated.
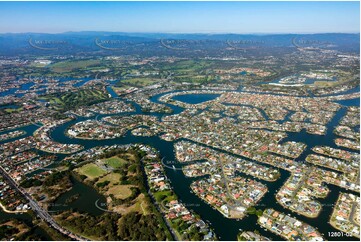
column 114, row 161
column 92, row 171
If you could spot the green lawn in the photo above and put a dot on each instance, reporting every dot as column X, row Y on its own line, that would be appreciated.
column 167, row 196
column 13, row 110
column 114, row 161
column 70, row 100
column 91, row 171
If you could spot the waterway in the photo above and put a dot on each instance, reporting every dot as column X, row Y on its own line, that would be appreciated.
column 27, row 219
column 85, row 202
column 195, row 99
column 30, row 84
column 226, row 229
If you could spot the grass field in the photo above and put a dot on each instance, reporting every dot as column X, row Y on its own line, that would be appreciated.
column 66, row 66
column 91, row 171
column 71, row 100
column 188, row 65
column 112, row 178
column 140, row 81
column 122, row 87
column 141, row 206
column 193, row 78
column 114, row 161
column 14, row 110
column 325, row 83
column 120, row 191
column 166, row 196
column 130, row 157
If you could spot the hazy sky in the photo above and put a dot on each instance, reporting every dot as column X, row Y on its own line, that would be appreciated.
column 181, row 17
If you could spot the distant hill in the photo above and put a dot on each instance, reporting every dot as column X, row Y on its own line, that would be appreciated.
column 86, row 42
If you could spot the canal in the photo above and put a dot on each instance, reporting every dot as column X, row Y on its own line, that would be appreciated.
column 226, row 229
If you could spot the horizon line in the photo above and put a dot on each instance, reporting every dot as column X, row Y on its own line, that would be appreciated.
column 185, row 33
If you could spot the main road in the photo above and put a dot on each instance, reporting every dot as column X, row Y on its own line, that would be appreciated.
column 42, row 213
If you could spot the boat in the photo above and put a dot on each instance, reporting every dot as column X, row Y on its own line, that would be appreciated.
column 173, row 167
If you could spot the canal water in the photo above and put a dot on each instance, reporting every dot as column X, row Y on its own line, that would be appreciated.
column 27, row 219
column 27, row 86
column 85, row 199
column 29, row 130
column 195, row 99
column 226, row 229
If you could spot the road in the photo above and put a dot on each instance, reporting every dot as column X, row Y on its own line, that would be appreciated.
column 160, row 210
column 352, row 214
column 237, row 203
column 302, row 181
column 42, row 213
column 158, row 207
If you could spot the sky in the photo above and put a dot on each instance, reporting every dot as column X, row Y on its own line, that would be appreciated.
column 181, row 17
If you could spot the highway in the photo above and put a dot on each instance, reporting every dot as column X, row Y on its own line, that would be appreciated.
column 42, row 213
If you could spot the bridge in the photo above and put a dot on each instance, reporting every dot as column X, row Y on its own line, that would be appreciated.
column 42, row 213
